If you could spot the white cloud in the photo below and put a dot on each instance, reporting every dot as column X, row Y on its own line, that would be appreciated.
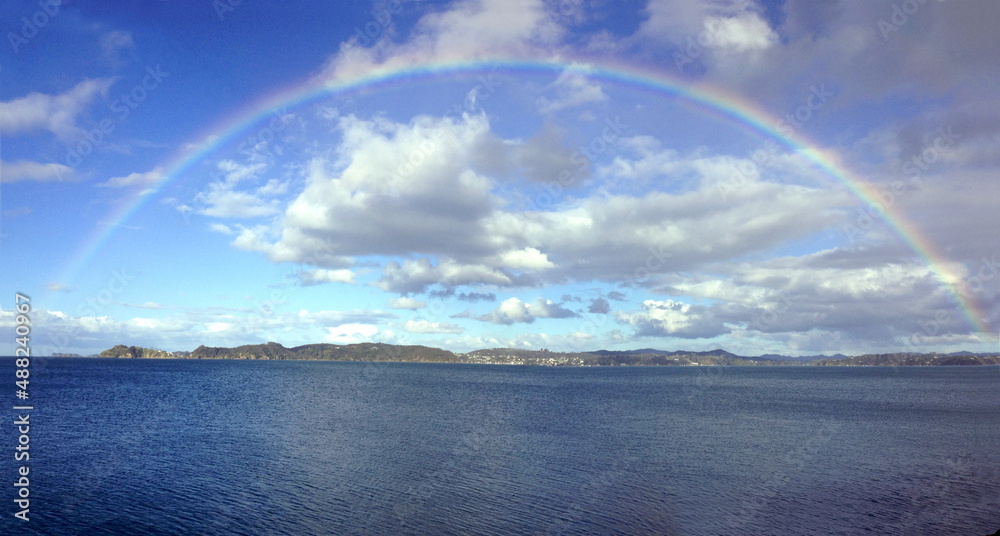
column 220, row 228
column 626, row 238
column 133, row 179
column 322, row 275
column 222, row 201
column 466, row 30
column 513, row 311
column 395, row 188
column 335, row 318
column 426, row 326
column 55, row 113
column 729, row 24
column 419, row 189
column 545, row 158
column 744, row 32
column 847, row 292
column 416, row 276
column 405, row 302
column 351, row 333
column 273, row 187
column 527, row 258
column 666, row 318
column 23, row 170
column 571, row 88
column 216, row 327
column 236, row 172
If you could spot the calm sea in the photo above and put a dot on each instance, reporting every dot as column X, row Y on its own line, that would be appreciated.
column 298, row 448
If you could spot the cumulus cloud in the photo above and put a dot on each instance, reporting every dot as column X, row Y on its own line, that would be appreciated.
column 57, row 114
column 513, row 311
column 627, row 238
column 416, row 276
column 221, row 200
column 418, row 189
column 835, row 291
column 465, row 30
column 322, row 275
column 743, row 32
column 732, row 44
column 405, row 302
column 599, row 306
column 732, row 24
column 236, row 172
column 669, row 318
column 426, row 326
column 545, row 158
column 351, row 333
column 229, row 196
column 659, row 317
column 396, row 188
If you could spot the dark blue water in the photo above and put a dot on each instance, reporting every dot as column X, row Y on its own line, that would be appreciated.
column 297, row 448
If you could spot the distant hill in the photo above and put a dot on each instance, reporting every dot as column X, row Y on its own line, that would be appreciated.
column 716, row 353
column 328, row 352
column 802, row 357
column 678, row 357
column 543, row 357
column 911, row 360
column 134, row 352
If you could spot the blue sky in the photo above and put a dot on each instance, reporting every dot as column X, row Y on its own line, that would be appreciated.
column 430, row 210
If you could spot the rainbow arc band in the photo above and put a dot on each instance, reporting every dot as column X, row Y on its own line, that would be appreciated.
column 709, row 99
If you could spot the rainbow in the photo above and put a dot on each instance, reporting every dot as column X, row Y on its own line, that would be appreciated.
column 710, row 99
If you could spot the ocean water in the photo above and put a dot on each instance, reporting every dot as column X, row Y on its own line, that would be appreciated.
column 299, row 448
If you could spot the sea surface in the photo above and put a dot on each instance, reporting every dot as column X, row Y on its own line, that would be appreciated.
column 298, row 448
